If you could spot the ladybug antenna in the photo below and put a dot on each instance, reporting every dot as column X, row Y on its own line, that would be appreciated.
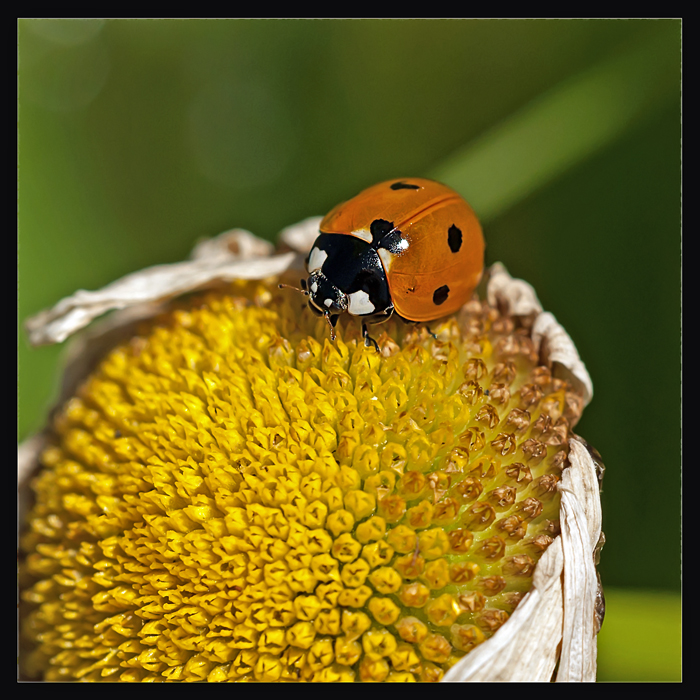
column 303, row 289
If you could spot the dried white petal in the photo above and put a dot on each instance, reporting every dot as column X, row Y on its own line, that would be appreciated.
column 27, row 455
column 581, row 519
column 557, row 348
column 301, row 236
column 236, row 244
column 152, row 284
column 518, row 296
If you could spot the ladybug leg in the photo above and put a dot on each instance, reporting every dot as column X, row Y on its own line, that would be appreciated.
column 388, row 313
column 368, row 339
column 332, row 320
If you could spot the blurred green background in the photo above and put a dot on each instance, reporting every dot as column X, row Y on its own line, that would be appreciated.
column 138, row 137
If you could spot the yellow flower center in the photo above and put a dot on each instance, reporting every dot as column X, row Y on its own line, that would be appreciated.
column 231, row 496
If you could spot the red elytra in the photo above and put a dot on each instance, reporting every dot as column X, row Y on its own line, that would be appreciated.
column 436, row 256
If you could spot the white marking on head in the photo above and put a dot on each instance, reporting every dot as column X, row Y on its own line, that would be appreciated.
column 316, row 259
column 359, row 304
column 327, row 303
column 314, row 287
column 386, row 257
column 364, row 233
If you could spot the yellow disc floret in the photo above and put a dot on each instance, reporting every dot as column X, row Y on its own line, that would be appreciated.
column 232, row 496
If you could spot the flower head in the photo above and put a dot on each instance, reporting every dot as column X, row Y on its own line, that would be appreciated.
column 232, row 496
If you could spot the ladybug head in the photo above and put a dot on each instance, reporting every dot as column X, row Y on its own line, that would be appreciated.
column 324, row 297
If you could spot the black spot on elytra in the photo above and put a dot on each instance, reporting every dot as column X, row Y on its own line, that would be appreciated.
column 404, row 186
column 440, row 295
column 454, row 238
column 379, row 228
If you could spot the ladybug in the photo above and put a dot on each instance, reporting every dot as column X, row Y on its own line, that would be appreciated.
column 411, row 247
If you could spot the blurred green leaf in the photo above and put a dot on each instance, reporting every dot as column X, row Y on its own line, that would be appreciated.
column 641, row 637
column 561, row 128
